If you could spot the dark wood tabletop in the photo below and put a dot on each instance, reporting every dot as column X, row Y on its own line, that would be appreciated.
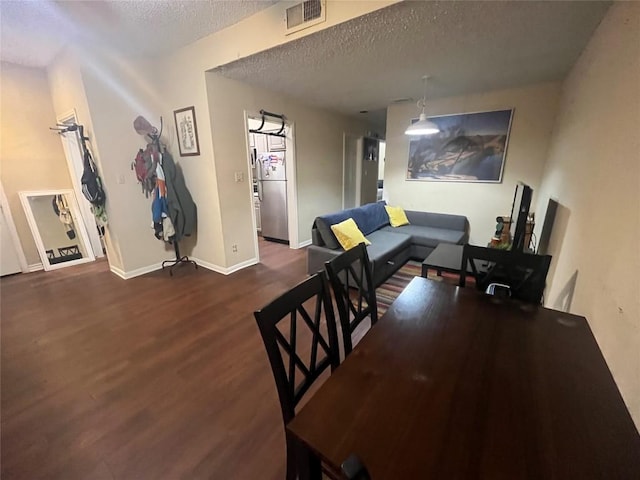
column 454, row 384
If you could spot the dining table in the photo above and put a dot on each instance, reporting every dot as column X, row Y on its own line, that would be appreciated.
column 452, row 383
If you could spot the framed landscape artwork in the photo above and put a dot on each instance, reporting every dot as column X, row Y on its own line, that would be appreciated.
column 471, row 147
column 187, row 131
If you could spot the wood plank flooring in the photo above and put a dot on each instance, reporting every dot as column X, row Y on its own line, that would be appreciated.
column 149, row 378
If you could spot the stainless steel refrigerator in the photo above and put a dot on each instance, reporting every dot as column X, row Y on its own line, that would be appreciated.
column 271, row 174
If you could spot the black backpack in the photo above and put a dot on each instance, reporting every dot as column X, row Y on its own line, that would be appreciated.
column 91, row 183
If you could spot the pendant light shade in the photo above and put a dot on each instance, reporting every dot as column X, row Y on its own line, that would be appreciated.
column 423, row 126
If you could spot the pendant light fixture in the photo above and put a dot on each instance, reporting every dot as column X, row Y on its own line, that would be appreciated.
column 423, row 126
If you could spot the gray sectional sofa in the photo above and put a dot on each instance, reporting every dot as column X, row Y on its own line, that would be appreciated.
column 390, row 247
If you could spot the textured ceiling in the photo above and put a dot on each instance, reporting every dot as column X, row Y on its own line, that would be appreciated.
column 368, row 62
column 33, row 32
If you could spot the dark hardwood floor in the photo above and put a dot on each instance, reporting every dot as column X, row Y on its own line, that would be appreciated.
column 149, row 378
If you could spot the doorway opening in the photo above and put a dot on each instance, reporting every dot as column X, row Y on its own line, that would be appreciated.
column 382, row 153
column 271, row 167
column 361, row 170
column 75, row 162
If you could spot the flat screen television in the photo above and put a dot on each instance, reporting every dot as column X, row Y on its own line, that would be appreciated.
column 519, row 216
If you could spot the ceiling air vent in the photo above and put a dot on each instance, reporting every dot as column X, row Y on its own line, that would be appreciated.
column 305, row 14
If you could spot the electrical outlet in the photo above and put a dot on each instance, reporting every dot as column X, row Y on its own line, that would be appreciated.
column 121, row 179
column 234, row 248
column 239, row 176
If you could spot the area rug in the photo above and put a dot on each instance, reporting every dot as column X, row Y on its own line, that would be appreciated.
column 388, row 291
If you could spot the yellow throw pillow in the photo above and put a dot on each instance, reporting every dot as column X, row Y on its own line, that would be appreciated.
column 397, row 217
column 348, row 234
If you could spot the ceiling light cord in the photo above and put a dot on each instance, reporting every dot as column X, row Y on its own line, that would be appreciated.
column 423, row 102
column 423, row 126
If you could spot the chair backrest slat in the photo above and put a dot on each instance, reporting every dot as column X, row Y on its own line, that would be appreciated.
column 291, row 306
column 350, row 275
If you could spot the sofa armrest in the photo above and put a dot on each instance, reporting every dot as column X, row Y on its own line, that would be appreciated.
column 317, row 256
column 316, row 238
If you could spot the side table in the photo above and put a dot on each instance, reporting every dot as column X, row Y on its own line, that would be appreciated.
column 446, row 257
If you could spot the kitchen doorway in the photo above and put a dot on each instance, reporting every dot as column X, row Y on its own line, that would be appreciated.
column 272, row 167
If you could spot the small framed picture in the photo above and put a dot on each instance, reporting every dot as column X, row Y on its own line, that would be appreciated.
column 187, row 131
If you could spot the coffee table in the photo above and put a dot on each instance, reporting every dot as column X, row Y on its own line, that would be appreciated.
column 446, row 257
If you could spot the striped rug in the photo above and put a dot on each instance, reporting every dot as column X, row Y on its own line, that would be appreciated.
column 388, row 291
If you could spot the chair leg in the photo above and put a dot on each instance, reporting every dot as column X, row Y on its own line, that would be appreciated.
column 301, row 463
column 292, row 463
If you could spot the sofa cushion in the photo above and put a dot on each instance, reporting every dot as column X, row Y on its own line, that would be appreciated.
column 385, row 244
column 397, row 217
column 348, row 234
column 437, row 220
column 369, row 218
column 428, row 236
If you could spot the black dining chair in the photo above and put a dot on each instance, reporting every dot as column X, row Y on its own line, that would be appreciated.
column 351, row 281
column 522, row 274
column 305, row 314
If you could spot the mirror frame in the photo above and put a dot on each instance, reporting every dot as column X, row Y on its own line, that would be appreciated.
column 81, row 231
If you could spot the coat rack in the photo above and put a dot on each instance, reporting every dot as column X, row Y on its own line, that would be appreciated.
column 279, row 133
column 143, row 127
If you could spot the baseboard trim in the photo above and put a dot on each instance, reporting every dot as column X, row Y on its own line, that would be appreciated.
column 306, row 243
column 241, row 265
column 35, row 267
column 201, row 263
column 135, row 273
column 118, row 272
column 225, row 270
column 209, row 266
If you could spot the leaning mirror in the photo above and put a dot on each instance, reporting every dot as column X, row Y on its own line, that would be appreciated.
column 57, row 228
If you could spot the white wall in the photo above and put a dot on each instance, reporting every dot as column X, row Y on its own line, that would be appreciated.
column 318, row 151
column 118, row 89
column 32, row 155
column 68, row 94
column 532, row 123
column 594, row 172
column 108, row 92
column 183, row 83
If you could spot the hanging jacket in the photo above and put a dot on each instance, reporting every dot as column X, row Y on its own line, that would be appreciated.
column 182, row 209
